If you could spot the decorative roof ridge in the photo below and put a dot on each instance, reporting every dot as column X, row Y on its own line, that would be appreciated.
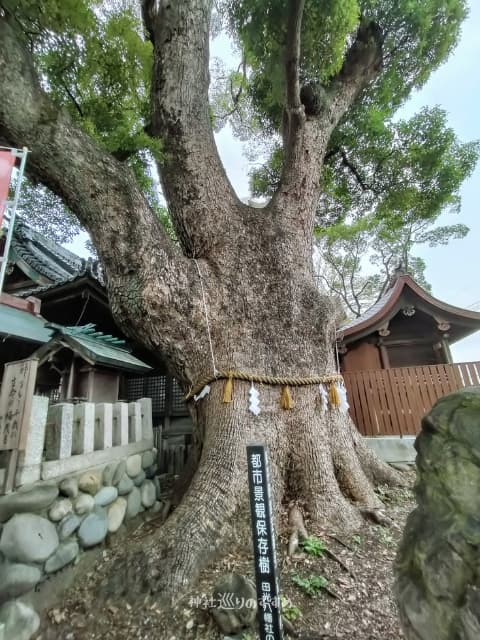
column 398, row 272
column 92, row 267
column 86, row 273
column 24, row 232
column 49, row 259
column 93, row 346
column 26, row 254
column 445, row 306
column 371, row 311
column 89, row 332
column 387, row 301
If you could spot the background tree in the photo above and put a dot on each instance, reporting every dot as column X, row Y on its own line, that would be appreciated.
column 384, row 185
column 313, row 68
column 357, row 262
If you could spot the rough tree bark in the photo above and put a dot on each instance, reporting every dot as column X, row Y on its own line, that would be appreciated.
column 266, row 314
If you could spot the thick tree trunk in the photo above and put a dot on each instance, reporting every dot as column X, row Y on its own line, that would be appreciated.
column 312, row 458
column 262, row 321
column 238, row 293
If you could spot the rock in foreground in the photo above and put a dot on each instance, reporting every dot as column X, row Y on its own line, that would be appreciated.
column 438, row 568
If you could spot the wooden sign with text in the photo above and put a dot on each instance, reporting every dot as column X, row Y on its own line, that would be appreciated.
column 16, row 396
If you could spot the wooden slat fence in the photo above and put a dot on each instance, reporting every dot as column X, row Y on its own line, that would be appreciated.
column 392, row 402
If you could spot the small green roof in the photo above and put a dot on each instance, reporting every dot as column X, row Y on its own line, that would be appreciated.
column 23, row 324
column 95, row 347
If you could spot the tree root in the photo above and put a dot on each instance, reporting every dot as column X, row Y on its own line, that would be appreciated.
column 289, row 628
column 299, row 532
column 331, row 593
column 377, row 516
column 331, row 555
column 340, row 541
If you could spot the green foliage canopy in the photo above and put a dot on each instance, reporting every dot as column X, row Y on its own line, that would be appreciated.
column 418, row 36
column 383, row 191
column 94, row 60
column 392, row 171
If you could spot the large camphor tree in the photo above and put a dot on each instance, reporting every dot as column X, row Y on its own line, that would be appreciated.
column 236, row 290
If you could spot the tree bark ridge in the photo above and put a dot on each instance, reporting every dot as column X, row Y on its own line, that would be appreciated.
column 194, row 180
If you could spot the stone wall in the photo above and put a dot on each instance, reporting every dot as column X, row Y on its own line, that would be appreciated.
column 438, row 563
column 94, row 468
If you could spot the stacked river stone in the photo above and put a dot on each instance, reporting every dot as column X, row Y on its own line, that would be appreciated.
column 44, row 527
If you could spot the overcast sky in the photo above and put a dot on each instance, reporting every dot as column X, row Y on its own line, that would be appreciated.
column 452, row 270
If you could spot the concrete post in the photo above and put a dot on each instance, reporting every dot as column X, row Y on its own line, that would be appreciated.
column 84, row 428
column 103, row 426
column 29, row 460
column 147, row 426
column 58, row 433
column 120, row 424
column 134, row 422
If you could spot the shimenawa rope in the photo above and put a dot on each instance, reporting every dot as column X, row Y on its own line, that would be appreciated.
column 286, row 400
column 285, row 381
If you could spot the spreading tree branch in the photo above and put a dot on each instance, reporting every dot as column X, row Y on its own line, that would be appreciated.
column 340, row 293
column 306, row 144
column 363, row 62
column 292, row 62
column 238, row 94
column 303, row 142
column 355, row 172
column 72, row 98
column 194, row 181
column 235, row 95
column 102, row 192
column 294, row 118
column 343, row 291
column 364, row 59
column 353, row 272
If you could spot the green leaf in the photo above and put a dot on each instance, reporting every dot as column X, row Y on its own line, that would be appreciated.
column 311, row 585
column 314, row 546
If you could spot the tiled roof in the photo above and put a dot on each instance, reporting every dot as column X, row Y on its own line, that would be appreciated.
column 97, row 347
column 465, row 320
column 47, row 260
column 44, row 256
column 90, row 268
column 370, row 312
column 22, row 324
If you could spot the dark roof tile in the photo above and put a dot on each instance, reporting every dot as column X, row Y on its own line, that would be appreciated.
column 48, row 260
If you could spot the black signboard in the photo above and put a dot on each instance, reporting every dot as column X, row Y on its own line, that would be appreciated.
column 269, row 609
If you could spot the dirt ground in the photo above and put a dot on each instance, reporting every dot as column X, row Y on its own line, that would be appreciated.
column 357, row 603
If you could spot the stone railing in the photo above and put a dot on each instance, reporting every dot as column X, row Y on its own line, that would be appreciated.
column 67, row 438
